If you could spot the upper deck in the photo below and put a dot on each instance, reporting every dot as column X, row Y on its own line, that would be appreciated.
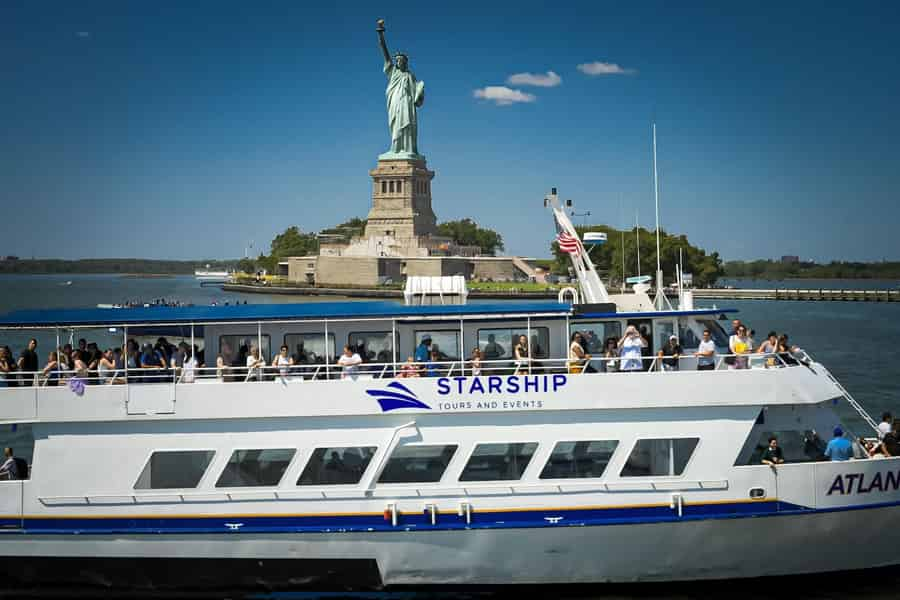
column 385, row 334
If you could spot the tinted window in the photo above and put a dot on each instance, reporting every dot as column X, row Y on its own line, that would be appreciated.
column 595, row 333
column 176, row 469
column 498, row 462
column 373, row 346
column 255, row 467
column 309, row 348
column 659, row 457
column 235, row 348
column 498, row 344
column 571, row 460
column 718, row 334
column 336, row 466
column 796, row 446
column 445, row 342
column 417, row 464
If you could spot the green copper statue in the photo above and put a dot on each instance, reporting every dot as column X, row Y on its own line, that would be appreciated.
column 404, row 95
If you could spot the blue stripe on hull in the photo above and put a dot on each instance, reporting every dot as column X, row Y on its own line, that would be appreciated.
column 417, row 521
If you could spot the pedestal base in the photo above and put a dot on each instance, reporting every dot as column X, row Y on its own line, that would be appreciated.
column 401, row 156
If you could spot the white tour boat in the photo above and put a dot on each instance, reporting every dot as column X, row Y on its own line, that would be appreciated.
column 521, row 471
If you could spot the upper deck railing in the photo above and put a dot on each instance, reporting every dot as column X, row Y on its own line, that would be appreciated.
column 381, row 370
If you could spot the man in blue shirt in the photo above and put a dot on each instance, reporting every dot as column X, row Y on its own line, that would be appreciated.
column 839, row 448
column 423, row 350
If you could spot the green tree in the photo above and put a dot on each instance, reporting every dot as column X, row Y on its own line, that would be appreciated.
column 466, row 232
column 347, row 229
column 608, row 257
column 293, row 242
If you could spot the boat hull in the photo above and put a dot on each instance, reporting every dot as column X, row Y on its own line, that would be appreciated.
column 743, row 547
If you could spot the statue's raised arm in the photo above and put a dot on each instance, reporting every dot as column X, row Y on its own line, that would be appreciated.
column 379, row 27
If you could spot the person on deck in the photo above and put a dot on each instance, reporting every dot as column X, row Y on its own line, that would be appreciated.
column 349, row 361
column 772, row 455
column 670, row 355
column 423, row 350
column 631, row 348
column 839, row 448
column 577, row 357
column 706, row 353
column 9, row 470
column 885, row 426
column 28, row 363
column 521, row 354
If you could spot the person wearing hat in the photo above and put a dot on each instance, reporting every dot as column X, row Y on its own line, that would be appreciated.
column 423, row 350
column 670, row 354
column 839, row 448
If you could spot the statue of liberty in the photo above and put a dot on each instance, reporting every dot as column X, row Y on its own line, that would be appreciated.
column 404, row 95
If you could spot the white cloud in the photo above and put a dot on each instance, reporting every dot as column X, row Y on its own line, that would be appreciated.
column 604, row 68
column 503, row 95
column 551, row 79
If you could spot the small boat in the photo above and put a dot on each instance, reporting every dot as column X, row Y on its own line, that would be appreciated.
column 207, row 276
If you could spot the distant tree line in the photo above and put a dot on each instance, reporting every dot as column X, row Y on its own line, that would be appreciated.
column 608, row 257
column 113, row 265
column 775, row 269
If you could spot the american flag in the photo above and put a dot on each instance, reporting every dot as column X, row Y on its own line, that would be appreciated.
column 567, row 243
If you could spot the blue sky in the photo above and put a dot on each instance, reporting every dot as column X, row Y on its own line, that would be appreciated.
column 185, row 130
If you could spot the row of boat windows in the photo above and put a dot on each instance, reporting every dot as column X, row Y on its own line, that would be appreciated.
column 377, row 346
column 168, row 469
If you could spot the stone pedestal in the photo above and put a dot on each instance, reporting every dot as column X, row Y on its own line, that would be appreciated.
column 401, row 201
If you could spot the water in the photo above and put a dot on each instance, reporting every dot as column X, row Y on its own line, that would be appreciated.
column 855, row 340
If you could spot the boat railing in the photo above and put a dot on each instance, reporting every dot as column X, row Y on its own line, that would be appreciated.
column 588, row 365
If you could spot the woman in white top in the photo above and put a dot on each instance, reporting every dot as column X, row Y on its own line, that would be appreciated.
column 630, row 347
column 106, row 368
column 283, row 362
column 739, row 344
column 255, row 365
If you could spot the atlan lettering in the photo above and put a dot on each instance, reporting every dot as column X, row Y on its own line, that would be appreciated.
column 845, row 484
column 495, row 384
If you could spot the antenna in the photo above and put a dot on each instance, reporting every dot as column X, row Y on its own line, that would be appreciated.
column 660, row 301
column 637, row 233
column 622, row 216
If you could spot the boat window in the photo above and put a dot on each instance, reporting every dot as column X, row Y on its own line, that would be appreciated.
column 248, row 468
column 373, row 346
column 174, row 469
column 718, row 334
column 337, row 466
column 235, row 348
column 686, row 336
column 663, row 330
column 417, row 464
column 496, row 344
column 595, row 333
column 659, row 457
column 445, row 342
column 572, row 460
column 498, row 462
column 309, row 348
column 796, row 446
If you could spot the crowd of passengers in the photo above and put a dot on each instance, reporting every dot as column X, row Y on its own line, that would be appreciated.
column 841, row 447
column 87, row 361
column 632, row 352
column 164, row 360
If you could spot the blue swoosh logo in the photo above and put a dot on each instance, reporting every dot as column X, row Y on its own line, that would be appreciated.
column 392, row 400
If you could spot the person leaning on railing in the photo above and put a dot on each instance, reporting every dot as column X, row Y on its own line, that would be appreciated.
column 521, row 354
column 706, row 353
column 670, row 355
